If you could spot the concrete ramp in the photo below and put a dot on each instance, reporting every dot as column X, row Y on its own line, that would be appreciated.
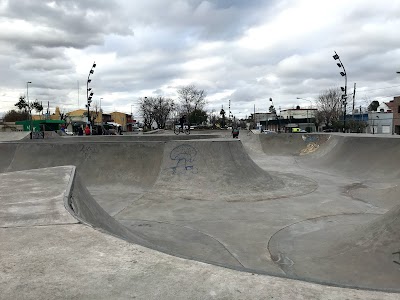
column 288, row 205
column 13, row 136
column 223, row 167
column 353, row 249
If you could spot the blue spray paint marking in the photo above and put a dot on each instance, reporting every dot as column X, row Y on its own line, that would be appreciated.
column 184, row 156
column 310, row 138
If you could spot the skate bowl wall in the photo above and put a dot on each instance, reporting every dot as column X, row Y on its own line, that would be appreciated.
column 98, row 164
column 207, row 200
column 140, row 137
column 13, row 136
column 359, row 156
column 223, row 166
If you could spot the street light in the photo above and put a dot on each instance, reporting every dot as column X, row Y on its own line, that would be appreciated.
column 344, row 89
column 89, row 96
column 373, row 124
column 29, row 107
column 308, row 120
column 276, row 115
column 101, row 114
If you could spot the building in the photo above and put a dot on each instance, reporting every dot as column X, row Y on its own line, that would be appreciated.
column 380, row 122
column 125, row 120
column 303, row 118
column 262, row 117
column 394, row 106
column 41, row 125
column 75, row 119
column 298, row 113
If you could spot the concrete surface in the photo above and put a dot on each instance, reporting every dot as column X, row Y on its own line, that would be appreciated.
column 263, row 204
column 13, row 136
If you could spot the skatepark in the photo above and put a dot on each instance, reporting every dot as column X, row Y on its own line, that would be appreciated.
column 205, row 216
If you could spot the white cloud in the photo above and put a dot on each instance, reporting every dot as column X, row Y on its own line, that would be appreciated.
column 243, row 51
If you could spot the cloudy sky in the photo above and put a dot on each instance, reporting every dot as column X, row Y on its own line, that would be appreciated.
column 246, row 51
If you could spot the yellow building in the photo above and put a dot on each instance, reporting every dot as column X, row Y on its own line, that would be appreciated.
column 121, row 118
column 81, row 115
column 41, row 116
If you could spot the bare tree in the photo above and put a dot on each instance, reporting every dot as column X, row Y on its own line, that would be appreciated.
column 213, row 118
column 95, row 112
column 329, row 104
column 191, row 99
column 155, row 109
column 13, row 115
column 162, row 109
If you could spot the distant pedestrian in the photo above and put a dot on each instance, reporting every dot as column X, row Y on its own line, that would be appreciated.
column 235, row 132
column 87, row 130
column 80, row 130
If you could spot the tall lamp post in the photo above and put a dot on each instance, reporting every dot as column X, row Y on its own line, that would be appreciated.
column 344, row 89
column 29, row 106
column 101, row 113
column 373, row 124
column 308, row 120
column 89, row 96
column 394, row 131
column 279, row 121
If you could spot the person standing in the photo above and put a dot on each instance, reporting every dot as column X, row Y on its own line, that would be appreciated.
column 87, row 130
column 235, row 132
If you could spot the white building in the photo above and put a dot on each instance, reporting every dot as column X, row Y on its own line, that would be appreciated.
column 298, row 113
column 383, row 108
column 380, row 122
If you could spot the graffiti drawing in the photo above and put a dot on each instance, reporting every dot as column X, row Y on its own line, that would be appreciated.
column 184, row 157
column 37, row 135
column 309, row 138
column 397, row 261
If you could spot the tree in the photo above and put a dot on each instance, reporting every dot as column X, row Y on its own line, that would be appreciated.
column 156, row 109
column 373, row 106
column 213, row 117
column 24, row 106
column 272, row 110
column 329, row 106
column 162, row 109
column 198, row 116
column 21, row 104
column 13, row 115
column 356, row 126
column 191, row 99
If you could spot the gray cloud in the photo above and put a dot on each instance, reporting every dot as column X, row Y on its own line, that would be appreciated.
column 154, row 46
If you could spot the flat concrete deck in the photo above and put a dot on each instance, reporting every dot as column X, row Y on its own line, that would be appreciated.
column 212, row 204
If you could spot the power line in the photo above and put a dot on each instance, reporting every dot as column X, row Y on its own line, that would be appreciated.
column 384, row 88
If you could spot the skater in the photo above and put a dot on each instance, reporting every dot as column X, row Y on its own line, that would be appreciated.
column 235, row 132
column 182, row 121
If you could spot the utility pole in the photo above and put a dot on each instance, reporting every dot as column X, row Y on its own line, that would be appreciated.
column 254, row 117
column 230, row 123
column 354, row 96
column 78, row 92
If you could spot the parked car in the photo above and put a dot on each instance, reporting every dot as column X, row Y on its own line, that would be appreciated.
column 269, row 132
column 298, row 130
column 68, row 132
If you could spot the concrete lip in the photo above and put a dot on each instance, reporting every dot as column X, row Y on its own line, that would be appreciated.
column 250, row 207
